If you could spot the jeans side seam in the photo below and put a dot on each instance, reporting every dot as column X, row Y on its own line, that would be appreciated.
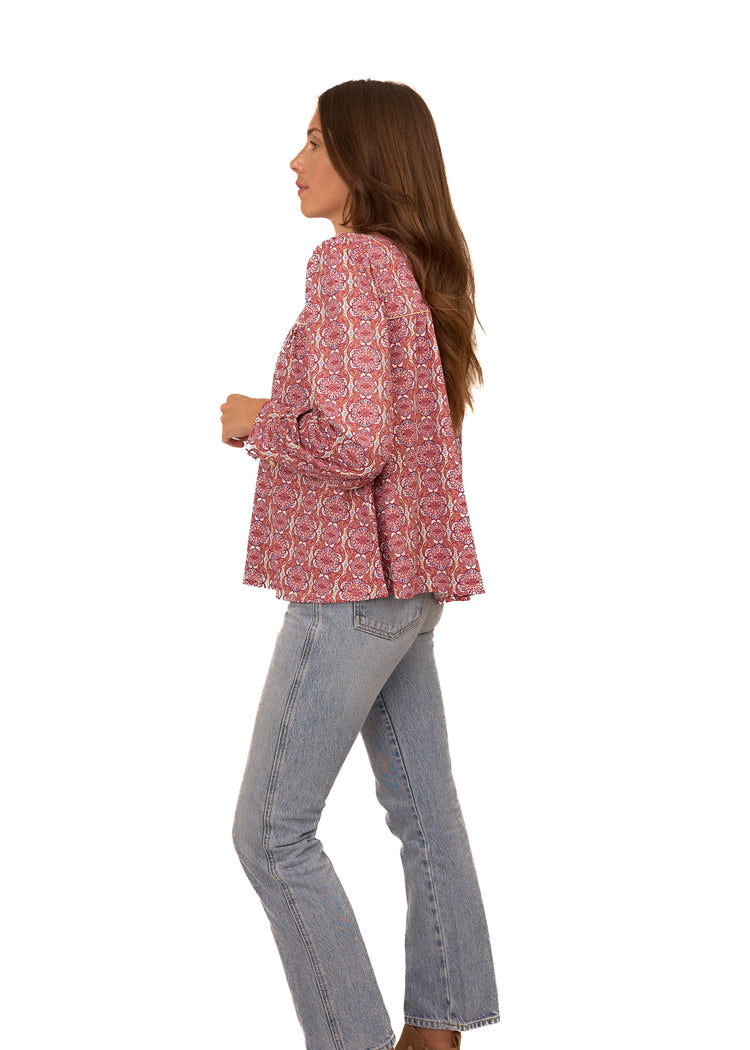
column 270, row 798
column 427, row 853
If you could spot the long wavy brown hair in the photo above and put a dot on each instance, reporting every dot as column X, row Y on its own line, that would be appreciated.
column 382, row 140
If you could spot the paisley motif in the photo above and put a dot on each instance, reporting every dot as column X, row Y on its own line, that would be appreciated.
column 359, row 492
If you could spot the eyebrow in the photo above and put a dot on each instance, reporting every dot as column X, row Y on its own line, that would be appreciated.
column 311, row 130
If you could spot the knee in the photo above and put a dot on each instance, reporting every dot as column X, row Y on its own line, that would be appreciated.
column 273, row 850
column 247, row 837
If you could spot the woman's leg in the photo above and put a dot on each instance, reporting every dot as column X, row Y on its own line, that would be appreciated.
column 450, row 978
column 329, row 664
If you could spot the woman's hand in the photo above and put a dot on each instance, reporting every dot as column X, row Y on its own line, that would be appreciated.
column 237, row 416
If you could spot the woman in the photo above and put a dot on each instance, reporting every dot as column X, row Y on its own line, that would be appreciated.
column 360, row 523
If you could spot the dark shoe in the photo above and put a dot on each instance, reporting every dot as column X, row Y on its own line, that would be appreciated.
column 413, row 1039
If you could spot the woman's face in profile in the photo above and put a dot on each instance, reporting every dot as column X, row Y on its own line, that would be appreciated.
column 321, row 189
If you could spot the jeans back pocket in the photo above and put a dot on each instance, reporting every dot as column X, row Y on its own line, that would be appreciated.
column 389, row 617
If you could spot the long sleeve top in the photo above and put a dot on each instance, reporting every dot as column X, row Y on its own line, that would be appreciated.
column 359, row 492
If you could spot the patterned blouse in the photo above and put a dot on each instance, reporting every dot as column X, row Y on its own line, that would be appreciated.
column 359, row 492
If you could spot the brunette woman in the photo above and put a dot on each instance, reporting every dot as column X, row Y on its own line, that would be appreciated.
column 360, row 525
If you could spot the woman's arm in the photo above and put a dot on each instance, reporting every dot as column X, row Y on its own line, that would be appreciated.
column 338, row 424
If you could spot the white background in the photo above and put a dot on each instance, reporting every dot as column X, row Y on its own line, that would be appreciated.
column 153, row 258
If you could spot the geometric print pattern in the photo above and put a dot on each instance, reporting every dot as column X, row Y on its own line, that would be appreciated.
column 359, row 492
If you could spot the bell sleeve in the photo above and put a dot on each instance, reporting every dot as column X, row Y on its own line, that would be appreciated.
column 330, row 416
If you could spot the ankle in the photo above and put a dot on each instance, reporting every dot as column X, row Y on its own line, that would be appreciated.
column 438, row 1038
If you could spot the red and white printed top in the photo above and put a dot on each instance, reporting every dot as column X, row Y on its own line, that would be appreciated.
column 359, row 492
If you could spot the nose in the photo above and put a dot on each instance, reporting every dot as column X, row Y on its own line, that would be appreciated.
column 295, row 164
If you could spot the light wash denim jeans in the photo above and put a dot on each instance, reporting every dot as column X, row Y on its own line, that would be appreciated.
column 339, row 669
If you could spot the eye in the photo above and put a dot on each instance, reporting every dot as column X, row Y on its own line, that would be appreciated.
column 314, row 145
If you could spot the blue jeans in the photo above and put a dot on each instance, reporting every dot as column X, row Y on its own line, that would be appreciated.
column 339, row 669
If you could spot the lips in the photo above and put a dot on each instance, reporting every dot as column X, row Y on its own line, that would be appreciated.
column 300, row 187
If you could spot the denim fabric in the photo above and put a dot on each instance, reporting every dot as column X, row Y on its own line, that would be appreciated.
column 339, row 669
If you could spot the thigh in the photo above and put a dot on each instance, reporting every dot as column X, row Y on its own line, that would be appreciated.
column 406, row 735
column 329, row 663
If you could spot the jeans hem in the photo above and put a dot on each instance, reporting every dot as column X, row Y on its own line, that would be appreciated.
column 389, row 1044
column 460, row 1026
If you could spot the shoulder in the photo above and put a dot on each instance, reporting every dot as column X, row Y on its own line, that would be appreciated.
column 348, row 260
column 358, row 251
column 370, row 257
column 346, row 251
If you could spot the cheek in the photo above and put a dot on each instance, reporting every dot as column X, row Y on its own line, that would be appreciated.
column 329, row 187
column 338, row 188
